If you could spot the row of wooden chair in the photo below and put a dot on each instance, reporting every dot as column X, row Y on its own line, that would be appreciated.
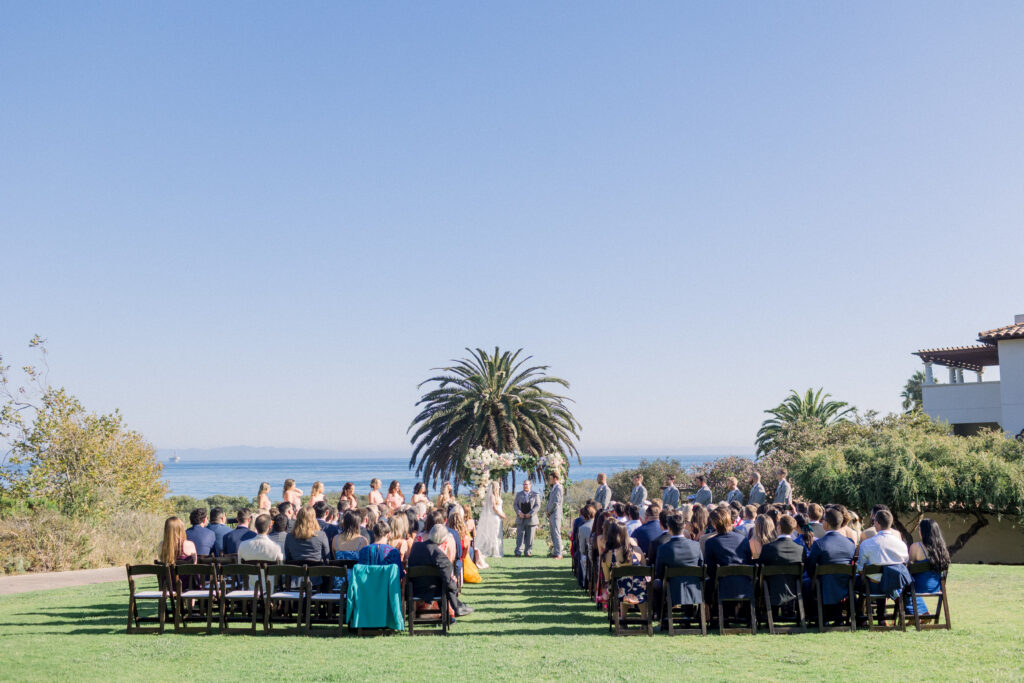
column 301, row 595
column 639, row 620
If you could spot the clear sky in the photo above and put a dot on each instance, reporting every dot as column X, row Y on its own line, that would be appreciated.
column 254, row 223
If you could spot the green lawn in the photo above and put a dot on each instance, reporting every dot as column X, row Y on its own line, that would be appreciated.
column 531, row 623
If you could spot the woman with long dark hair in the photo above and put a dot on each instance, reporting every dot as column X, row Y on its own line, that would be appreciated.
column 620, row 550
column 932, row 549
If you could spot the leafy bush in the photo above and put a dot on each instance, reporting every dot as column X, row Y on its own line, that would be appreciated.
column 656, row 473
column 183, row 505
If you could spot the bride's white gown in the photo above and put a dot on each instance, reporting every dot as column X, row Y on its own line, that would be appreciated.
column 488, row 530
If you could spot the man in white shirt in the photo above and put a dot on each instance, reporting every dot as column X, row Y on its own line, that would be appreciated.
column 261, row 547
column 885, row 547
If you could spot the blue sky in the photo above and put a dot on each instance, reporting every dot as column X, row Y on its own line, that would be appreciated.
column 263, row 224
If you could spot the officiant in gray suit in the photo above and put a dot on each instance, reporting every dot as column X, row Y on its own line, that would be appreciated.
column 554, row 512
column 526, row 504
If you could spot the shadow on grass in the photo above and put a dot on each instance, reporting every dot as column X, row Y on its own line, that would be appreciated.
column 92, row 620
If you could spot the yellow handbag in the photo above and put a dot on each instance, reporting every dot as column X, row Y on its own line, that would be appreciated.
column 470, row 574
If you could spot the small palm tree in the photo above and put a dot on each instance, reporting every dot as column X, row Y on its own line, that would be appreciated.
column 812, row 405
column 912, row 392
column 491, row 401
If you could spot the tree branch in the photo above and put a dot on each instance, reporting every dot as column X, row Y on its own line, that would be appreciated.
column 980, row 522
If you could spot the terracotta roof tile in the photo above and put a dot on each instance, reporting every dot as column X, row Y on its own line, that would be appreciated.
column 1015, row 331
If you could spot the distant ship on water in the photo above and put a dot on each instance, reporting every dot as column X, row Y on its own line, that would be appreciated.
column 174, row 458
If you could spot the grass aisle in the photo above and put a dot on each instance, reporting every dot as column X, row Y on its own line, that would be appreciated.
column 531, row 624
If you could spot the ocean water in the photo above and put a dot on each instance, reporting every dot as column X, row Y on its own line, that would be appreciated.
column 202, row 477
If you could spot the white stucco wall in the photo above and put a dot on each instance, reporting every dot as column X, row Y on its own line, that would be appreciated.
column 1011, row 379
column 965, row 403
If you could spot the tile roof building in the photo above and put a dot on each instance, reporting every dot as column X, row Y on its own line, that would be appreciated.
column 969, row 406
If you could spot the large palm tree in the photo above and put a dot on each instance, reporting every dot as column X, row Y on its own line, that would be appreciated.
column 491, row 401
column 811, row 406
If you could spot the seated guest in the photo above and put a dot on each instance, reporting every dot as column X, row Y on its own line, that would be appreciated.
column 620, row 513
column 652, row 548
column 399, row 535
column 219, row 528
column 870, row 531
column 727, row 547
column 832, row 548
column 428, row 553
column 886, row 547
column 306, row 543
column 368, row 517
column 633, row 523
column 241, row 532
column 814, row 515
column 457, row 528
column 783, row 550
column 804, row 534
column 621, row 550
column 763, row 534
column 261, row 547
column 747, row 519
column 279, row 531
column 734, row 494
column 287, row 510
column 650, row 530
column 175, row 546
column 381, row 552
column 581, row 542
column 699, row 524
column 348, row 539
column 846, row 529
column 203, row 538
column 321, row 508
column 448, row 544
column 932, row 549
column 678, row 551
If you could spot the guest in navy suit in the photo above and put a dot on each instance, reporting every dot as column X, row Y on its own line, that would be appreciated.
column 330, row 530
column 728, row 547
column 832, row 548
column 203, row 538
column 242, row 532
column 649, row 530
column 219, row 528
column 678, row 551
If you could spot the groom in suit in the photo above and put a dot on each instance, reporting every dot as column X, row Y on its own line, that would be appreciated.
column 526, row 504
column 554, row 512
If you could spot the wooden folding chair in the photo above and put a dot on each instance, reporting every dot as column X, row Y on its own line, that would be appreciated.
column 327, row 598
column 621, row 624
column 920, row 620
column 241, row 587
column 162, row 595
column 426, row 617
column 735, row 570
column 670, row 614
column 792, row 574
column 194, row 583
column 869, row 597
column 847, row 570
column 285, row 590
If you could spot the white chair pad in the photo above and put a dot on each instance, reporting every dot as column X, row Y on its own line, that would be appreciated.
column 196, row 594
column 240, row 594
column 149, row 594
column 326, row 596
column 286, row 595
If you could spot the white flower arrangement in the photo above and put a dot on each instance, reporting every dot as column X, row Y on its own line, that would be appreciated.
column 552, row 462
column 485, row 465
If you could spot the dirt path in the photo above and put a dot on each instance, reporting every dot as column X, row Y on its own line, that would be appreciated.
column 22, row 583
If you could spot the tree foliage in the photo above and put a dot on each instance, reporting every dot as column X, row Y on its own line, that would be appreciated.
column 60, row 454
column 811, row 406
column 494, row 401
column 914, row 465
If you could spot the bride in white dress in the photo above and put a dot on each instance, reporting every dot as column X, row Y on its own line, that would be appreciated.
column 488, row 530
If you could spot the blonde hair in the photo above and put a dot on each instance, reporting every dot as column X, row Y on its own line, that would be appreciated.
column 399, row 527
column 764, row 529
column 289, row 484
column 375, row 483
column 174, row 540
column 264, row 488
column 372, row 515
column 305, row 524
